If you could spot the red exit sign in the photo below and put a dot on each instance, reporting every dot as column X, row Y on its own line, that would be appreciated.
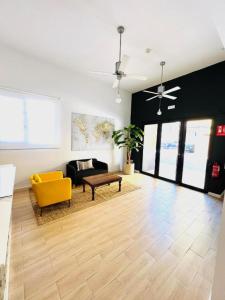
column 220, row 130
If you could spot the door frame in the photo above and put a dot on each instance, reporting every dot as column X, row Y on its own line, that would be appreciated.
column 159, row 148
column 205, row 189
column 180, row 156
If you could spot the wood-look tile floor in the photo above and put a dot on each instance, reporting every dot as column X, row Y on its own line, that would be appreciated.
column 156, row 243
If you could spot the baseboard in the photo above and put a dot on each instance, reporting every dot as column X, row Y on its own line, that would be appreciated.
column 218, row 196
column 115, row 172
column 21, row 189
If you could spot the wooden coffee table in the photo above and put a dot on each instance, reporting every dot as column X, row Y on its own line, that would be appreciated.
column 100, row 180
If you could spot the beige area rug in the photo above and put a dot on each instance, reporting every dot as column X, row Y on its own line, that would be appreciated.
column 79, row 201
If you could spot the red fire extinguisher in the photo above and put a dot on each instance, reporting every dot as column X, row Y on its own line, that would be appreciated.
column 215, row 170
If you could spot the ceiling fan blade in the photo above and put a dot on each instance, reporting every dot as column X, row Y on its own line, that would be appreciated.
column 100, row 73
column 138, row 77
column 123, row 63
column 151, row 98
column 115, row 83
column 169, row 97
column 145, row 91
column 172, row 90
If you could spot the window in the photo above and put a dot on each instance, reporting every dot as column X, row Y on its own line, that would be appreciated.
column 149, row 149
column 28, row 121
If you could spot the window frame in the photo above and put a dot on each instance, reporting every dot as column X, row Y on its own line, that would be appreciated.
column 25, row 96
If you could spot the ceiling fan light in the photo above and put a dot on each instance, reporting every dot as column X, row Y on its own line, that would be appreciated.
column 159, row 112
column 118, row 99
column 161, row 88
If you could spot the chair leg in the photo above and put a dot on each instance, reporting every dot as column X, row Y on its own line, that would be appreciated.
column 41, row 211
column 69, row 204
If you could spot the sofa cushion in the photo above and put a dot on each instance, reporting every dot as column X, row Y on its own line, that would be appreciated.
column 74, row 162
column 84, row 165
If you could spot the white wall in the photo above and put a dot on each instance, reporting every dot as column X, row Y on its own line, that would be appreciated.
column 218, row 289
column 78, row 93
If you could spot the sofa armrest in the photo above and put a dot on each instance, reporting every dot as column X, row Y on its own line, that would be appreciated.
column 53, row 191
column 71, row 172
column 100, row 165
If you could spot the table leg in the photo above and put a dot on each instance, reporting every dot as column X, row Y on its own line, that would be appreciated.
column 83, row 187
column 93, row 193
column 120, row 185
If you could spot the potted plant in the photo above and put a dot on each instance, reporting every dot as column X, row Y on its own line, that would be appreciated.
column 131, row 138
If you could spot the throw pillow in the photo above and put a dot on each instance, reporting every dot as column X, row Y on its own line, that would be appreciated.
column 37, row 178
column 84, row 165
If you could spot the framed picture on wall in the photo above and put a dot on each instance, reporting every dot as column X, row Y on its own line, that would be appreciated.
column 91, row 132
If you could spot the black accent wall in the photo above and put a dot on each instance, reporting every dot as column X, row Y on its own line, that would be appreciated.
column 202, row 95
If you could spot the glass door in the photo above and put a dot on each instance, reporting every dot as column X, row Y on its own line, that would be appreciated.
column 196, row 152
column 169, row 150
column 178, row 151
column 149, row 150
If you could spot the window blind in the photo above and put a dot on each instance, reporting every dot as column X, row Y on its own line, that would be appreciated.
column 28, row 121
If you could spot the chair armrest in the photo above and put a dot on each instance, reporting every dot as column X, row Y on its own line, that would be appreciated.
column 100, row 165
column 53, row 191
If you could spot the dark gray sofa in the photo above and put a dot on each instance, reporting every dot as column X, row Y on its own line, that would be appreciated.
column 76, row 176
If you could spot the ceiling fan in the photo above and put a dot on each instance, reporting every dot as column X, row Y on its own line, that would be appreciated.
column 161, row 92
column 120, row 66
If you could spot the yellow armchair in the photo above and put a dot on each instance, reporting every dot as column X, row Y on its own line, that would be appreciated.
column 50, row 188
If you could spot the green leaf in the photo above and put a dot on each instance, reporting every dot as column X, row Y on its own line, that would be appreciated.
column 130, row 137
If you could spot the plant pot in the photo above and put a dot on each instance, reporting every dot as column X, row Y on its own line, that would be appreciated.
column 128, row 169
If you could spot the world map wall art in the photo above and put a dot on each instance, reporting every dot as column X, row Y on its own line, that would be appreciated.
column 91, row 132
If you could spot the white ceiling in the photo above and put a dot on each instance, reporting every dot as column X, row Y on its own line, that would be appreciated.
column 81, row 35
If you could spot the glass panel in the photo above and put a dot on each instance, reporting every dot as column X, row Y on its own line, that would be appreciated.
column 28, row 121
column 41, row 122
column 11, row 119
column 169, row 150
column 196, row 152
column 149, row 151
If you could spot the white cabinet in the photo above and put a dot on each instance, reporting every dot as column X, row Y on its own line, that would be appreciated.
column 7, row 176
